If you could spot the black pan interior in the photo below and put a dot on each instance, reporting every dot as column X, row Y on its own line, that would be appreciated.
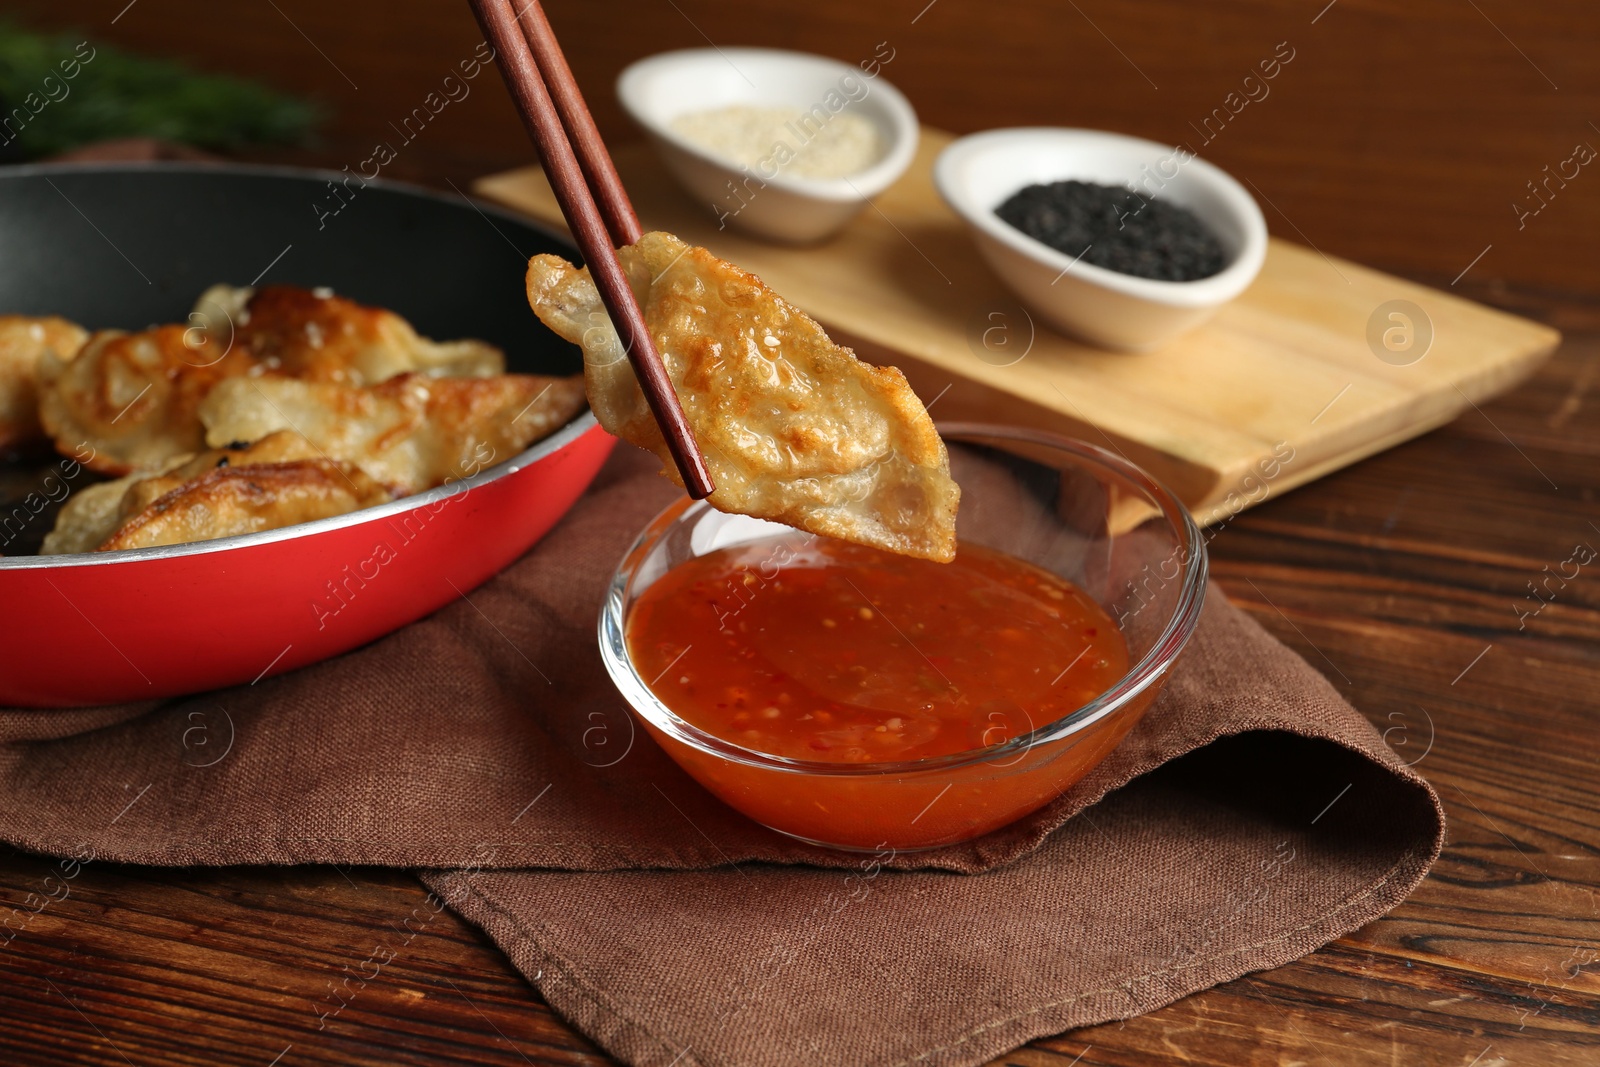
column 130, row 246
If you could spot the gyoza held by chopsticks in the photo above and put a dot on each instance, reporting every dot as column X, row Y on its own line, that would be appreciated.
column 793, row 426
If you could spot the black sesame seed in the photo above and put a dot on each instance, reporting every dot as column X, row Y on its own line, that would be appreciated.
column 1116, row 228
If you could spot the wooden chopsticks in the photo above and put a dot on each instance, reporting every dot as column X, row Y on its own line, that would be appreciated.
column 601, row 173
column 592, row 198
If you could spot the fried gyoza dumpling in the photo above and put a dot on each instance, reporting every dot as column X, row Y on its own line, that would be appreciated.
column 278, row 481
column 410, row 433
column 315, row 335
column 23, row 341
column 90, row 515
column 247, row 499
column 133, row 397
column 794, row 427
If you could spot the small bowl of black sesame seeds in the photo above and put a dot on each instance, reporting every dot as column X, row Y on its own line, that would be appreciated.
column 1118, row 241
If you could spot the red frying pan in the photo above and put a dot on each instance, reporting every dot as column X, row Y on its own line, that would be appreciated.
column 128, row 246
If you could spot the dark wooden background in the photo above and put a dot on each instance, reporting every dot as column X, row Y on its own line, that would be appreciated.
column 1401, row 135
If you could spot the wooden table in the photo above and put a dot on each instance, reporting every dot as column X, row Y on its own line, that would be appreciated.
column 1397, row 138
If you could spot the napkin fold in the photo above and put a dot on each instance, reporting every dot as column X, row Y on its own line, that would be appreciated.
column 1252, row 816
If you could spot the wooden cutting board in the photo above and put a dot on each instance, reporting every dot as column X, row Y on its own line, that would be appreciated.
column 1285, row 370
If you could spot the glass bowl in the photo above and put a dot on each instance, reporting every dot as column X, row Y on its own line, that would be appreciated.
column 1075, row 510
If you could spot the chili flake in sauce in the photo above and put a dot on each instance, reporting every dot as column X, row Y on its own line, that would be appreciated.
column 810, row 648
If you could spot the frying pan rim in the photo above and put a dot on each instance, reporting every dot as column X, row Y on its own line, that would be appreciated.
column 571, row 431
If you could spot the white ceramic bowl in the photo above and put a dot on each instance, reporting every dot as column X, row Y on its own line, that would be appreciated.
column 1104, row 307
column 783, row 206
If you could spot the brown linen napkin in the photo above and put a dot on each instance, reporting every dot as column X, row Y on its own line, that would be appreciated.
column 488, row 737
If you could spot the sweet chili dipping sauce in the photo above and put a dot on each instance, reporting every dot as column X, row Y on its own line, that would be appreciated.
column 819, row 650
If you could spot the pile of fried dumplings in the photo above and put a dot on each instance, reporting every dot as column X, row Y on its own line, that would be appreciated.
column 268, row 407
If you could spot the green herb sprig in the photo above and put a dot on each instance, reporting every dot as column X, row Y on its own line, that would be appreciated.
column 112, row 93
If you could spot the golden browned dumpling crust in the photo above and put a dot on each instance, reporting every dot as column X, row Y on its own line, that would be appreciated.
column 321, row 337
column 411, row 432
column 794, row 427
column 277, row 481
column 247, row 499
column 134, row 398
column 23, row 342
